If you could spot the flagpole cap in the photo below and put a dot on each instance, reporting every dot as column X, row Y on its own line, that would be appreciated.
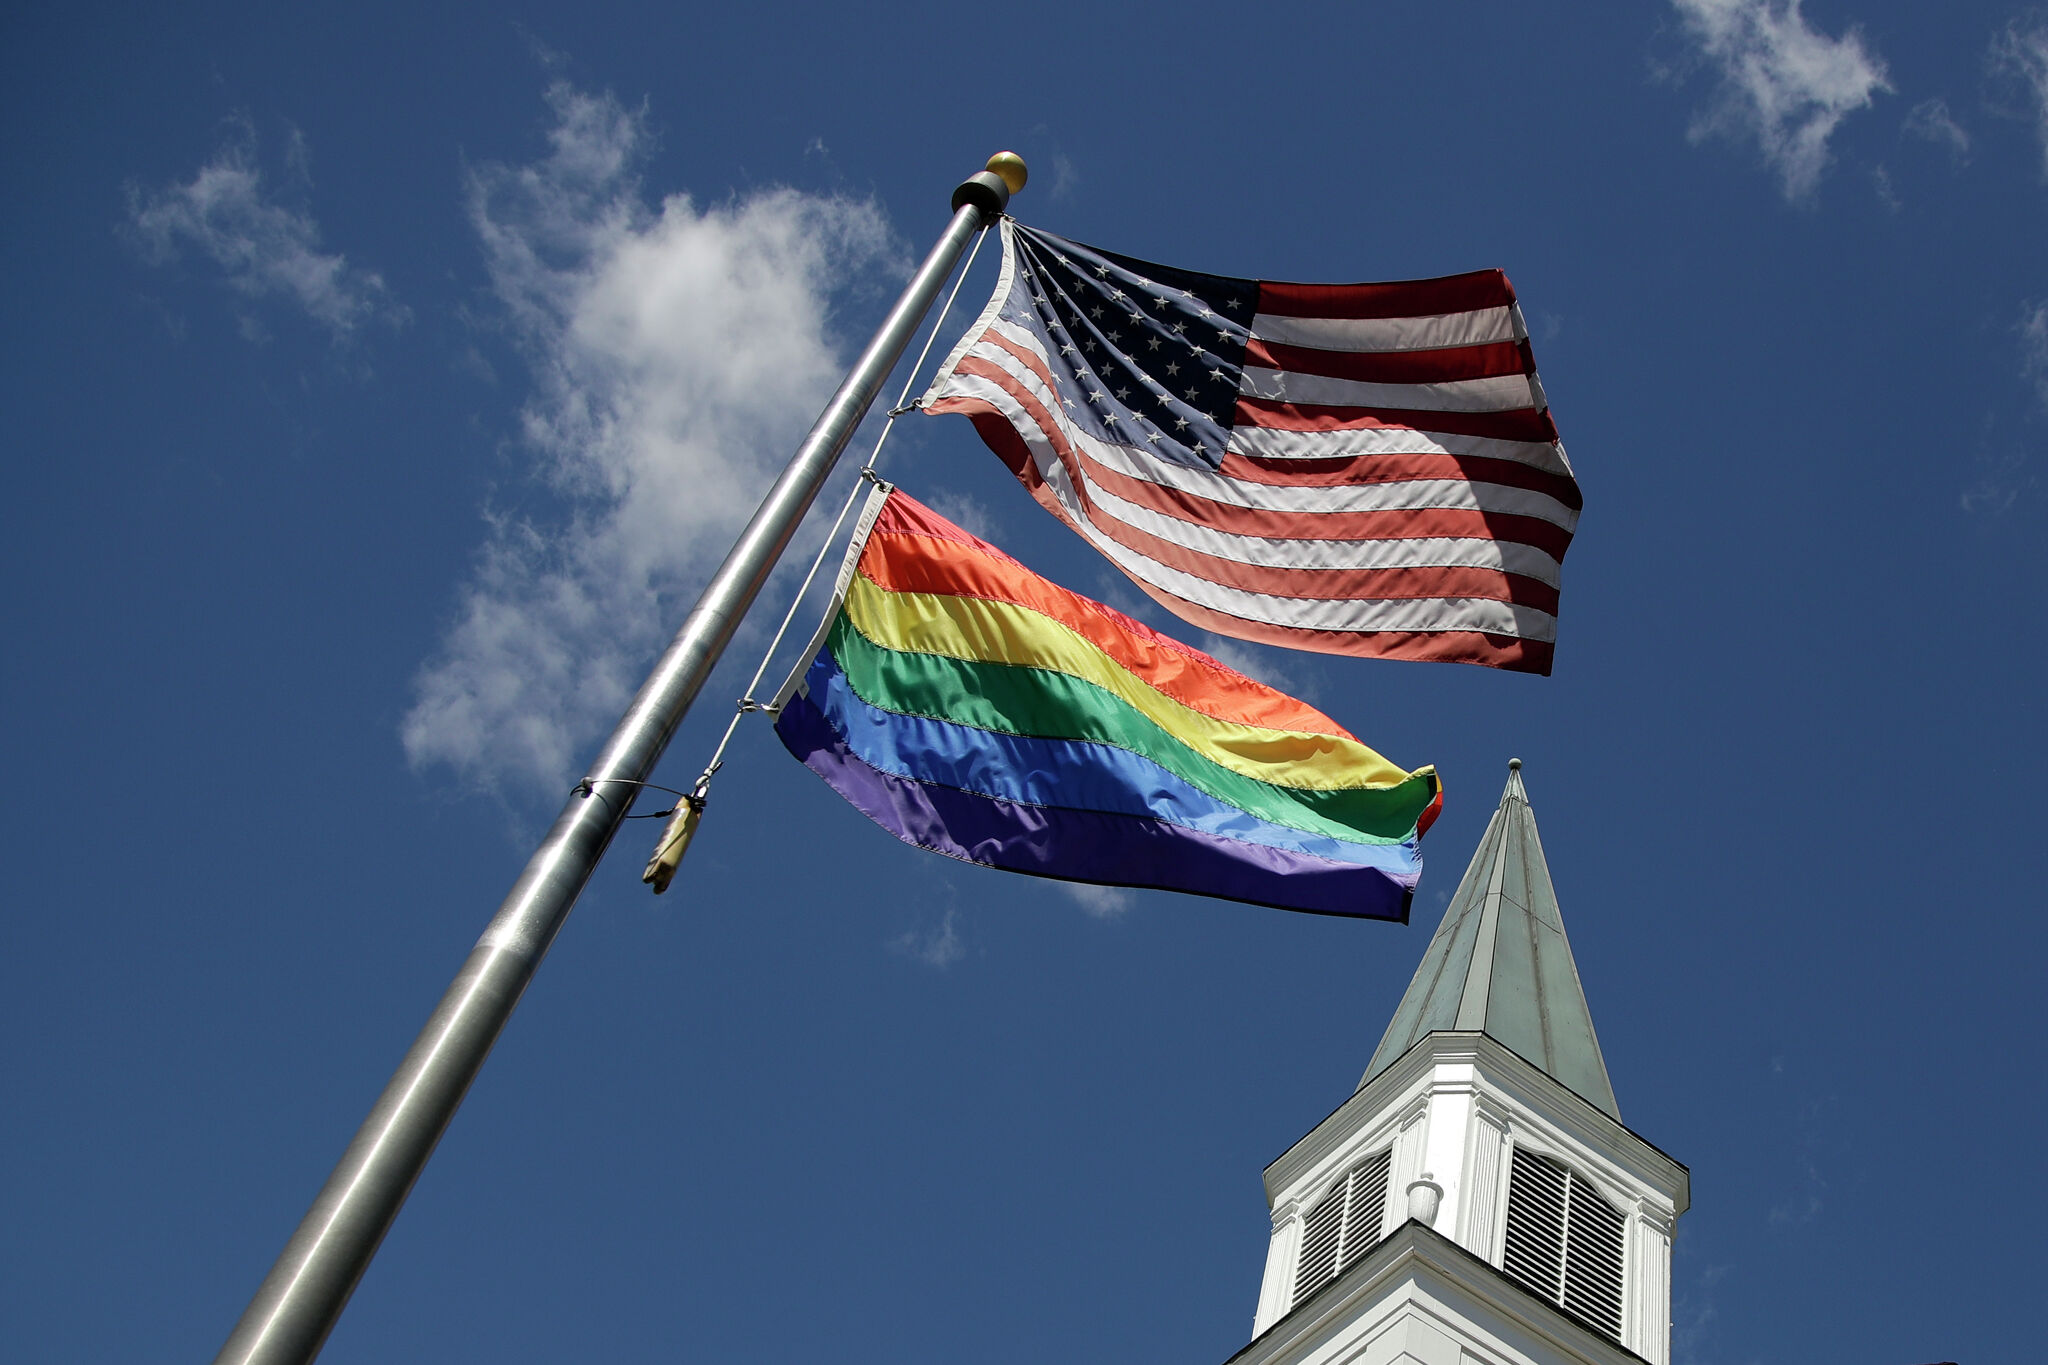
column 1011, row 168
column 990, row 190
column 1514, row 765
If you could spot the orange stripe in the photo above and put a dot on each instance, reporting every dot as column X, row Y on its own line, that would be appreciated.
column 915, row 550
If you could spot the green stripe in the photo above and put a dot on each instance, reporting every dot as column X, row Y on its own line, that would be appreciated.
column 1043, row 704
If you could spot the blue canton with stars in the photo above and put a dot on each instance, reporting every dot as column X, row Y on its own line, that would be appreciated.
column 1143, row 355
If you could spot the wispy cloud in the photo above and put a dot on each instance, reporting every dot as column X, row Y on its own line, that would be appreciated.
column 1783, row 84
column 2021, row 54
column 936, row 948
column 263, row 247
column 2033, row 330
column 1693, row 1313
column 970, row 514
column 1103, row 902
column 1260, row 662
column 677, row 353
column 1931, row 121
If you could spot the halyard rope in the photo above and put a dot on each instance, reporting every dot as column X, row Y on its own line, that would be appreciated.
column 747, row 703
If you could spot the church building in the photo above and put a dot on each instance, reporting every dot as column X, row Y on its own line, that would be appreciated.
column 1477, row 1200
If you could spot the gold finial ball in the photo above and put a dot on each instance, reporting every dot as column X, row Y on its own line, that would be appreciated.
column 1010, row 167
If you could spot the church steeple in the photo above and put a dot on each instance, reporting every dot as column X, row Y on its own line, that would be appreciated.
column 1477, row 1196
column 1500, row 964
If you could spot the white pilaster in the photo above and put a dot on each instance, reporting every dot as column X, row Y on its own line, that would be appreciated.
column 1485, row 1160
column 1274, row 1290
column 1649, row 1283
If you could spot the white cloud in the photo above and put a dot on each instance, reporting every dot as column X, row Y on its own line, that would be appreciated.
column 938, row 949
column 1931, row 121
column 262, row 247
column 1783, row 84
column 2033, row 330
column 1103, row 902
column 2021, row 52
column 678, row 353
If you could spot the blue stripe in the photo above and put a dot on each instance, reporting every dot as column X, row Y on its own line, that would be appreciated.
column 1086, row 845
column 1068, row 774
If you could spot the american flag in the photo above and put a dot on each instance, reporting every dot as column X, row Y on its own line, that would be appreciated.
column 1354, row 468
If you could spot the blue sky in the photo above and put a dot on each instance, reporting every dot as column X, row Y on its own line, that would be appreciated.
column 382, row 383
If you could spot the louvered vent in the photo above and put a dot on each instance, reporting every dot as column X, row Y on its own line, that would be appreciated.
column 1343, row 1225
column 1564, row 1241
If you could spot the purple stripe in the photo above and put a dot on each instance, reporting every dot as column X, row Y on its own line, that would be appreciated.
column 1085, row 846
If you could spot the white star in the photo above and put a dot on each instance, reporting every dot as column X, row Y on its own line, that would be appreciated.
column 1123, row 393
column 1206, row 312
column 1095, row 312
column 1153, row 342
column 1201, row 449
column 1117, row 295
column 1187, row 293
column 1173, row 369
column 1179, row 327
column 1181, row 423
column 1089, row 345
column 1194, row 397
column 1152, row 436
column 1219, row 376
column 1067, row 349
column 1233, row 304
column 1061, row 259
column 1200, row 351
column 1103, row 271
column 1067, row 403
column 1109, row 419
column 1095, row 395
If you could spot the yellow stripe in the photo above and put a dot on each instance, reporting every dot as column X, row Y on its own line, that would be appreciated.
column 981, row 631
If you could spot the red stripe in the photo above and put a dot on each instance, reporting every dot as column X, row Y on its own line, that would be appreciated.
column 1442, row 646
column 1485, row 361
column 1391, row 524
column 1459, row 646
column 1398, row 467
column 1520, row 424
column 1039, row 417
column 902, row 557
column 1402, row 299
column 1336, row 585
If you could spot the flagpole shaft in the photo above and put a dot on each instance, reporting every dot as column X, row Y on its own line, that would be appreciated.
column 300, row 1300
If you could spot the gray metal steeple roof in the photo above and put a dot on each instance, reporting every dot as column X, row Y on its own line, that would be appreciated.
column 1500, row 963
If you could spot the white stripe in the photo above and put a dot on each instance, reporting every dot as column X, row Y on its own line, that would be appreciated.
column 1275, row 443
column 1475, row 328
column 990, row 312
column 1410, row 614
column 1500, row 393
column 1402, row 496
column 1438, row 552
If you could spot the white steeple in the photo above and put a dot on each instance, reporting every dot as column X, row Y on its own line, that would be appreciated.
column 1478, row 1197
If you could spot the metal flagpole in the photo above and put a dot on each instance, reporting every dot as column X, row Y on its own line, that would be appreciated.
column 299, row 1301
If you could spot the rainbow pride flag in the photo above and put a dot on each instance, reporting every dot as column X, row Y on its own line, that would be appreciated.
column 972, row 708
